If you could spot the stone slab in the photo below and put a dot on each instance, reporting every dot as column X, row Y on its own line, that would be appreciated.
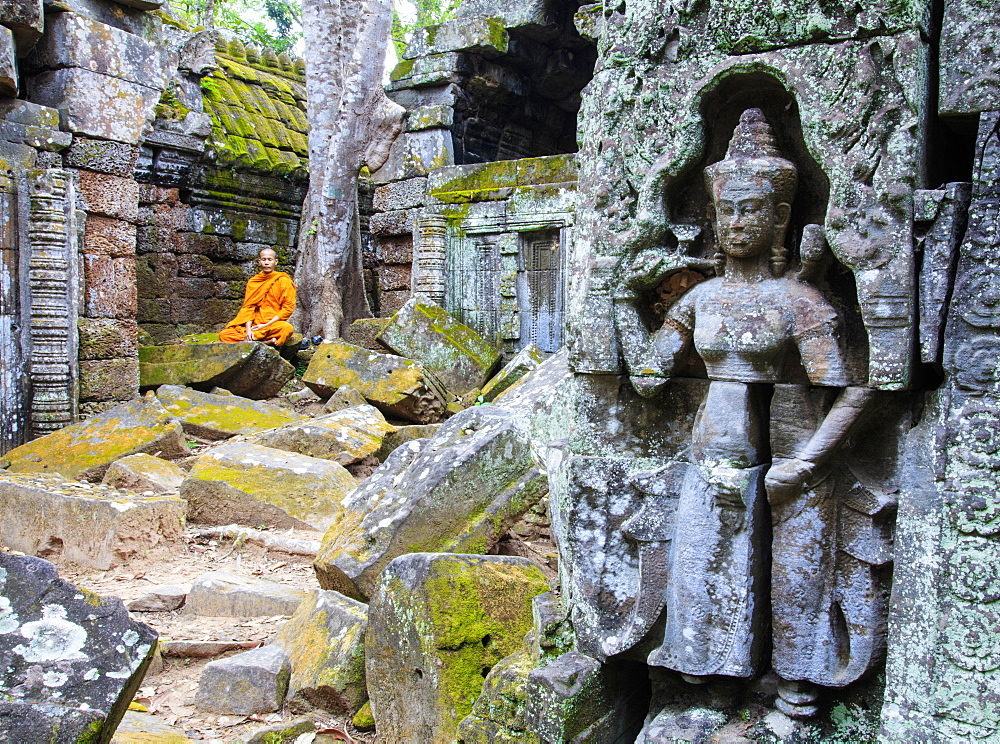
column 325, row 640
column 8, row 64
column 248, row 484
column 250, row 369
column 458, row 492
column 96, row 105
column 424, row 331
column 242, row 685
column 215, row 416
column 162, row 598
column 222, row 594
column 395, row 385
column 438, row 624
column 72, row 660
column 86, row 449
column 523, row 363
column 346, row 437
column 142, row 472
column 88, row 525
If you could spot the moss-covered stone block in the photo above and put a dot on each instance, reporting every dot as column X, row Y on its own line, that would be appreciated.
column 109, row 379
column 346, row 437
column 454, row 353
column 402, row 435
column 364, row 331
column 85, row 450
column 523, row 363
column 252, row 485
column 143, row 472
column 213, row 416
column 104, row 338
column 395, row 385
column 250, row 369
column 438, row 624
column 325, row 640
column 459, row 492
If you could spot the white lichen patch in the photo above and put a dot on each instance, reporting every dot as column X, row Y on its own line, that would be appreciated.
column 8, row 618
column 53, row 638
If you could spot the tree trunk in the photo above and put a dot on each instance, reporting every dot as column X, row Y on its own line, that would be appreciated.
column 352, row 124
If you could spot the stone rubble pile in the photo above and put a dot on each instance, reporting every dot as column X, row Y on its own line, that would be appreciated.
column 441, row 496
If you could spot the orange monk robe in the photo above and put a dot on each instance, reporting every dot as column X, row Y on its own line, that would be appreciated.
column 267, row 296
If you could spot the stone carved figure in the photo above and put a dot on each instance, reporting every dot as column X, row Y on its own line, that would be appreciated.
column 762, row 454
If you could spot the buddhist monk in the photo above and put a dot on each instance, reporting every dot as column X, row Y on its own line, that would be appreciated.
column 267, row 305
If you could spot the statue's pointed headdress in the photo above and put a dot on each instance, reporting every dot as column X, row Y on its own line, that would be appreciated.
column 753, row 151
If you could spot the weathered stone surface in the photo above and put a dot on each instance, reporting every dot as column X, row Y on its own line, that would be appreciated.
column 343, row 397
column 148, row 729
column 143, row 472
column 104, row 236
column 8, row 64
column 115, row 158
column 970, row 66
column 400, row 195
column 282, row 732
column 404, row 434
column 346, row 437
column 105, row 338
column 108, row 380
column 524, row 362
column 96, row 105
column 92, row 526
column 221, row 594
column 110, row 196
column 221, row 416
column 183, row 649
column 163, row 598
column 110, row 289
column 25, row 18
column 453, row 352
column 248, row 369
column 85, row 450
column 438, row 624
column 393, row 384
column 72, row 660
column 458, row 492
column 237, row 483
column 363, row 331
column 325, row 640
column 73, row 40
column 415, row 154
column 485, row 36
column 252, row 682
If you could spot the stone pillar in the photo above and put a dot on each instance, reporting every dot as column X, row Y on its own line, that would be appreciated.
column 429, row 257
column 52, row 308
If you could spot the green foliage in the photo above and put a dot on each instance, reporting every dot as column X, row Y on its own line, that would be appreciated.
column 273, row 24
column 428, row 13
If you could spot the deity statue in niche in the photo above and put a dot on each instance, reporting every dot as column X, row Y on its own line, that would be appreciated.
column 772, row 534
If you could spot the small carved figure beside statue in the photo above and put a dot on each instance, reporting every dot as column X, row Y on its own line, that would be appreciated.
column 775, row 547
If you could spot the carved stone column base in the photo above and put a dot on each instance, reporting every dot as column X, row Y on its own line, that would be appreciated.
column 796, row 699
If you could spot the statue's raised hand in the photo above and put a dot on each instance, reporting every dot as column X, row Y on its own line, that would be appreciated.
column 786, row 478
column 647, row 270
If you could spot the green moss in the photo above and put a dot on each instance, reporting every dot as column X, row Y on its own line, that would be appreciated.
column 363, row 719
column 170, row 107
column 498, row 36
column 401, row 70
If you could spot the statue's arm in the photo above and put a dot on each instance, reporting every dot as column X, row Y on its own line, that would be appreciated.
column 786, row 477
column 651, row 358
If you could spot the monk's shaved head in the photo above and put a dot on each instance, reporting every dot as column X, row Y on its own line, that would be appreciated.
column 267, row 250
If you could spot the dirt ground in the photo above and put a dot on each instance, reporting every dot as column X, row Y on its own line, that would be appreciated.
column 169, row 688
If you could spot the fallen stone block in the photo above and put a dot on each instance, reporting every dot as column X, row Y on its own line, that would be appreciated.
column 402, row 435
column 251, row 682
column 458, row 492
column 72, row 660
column 282, row 733
column 395, row 385
column 221, row 416
column 163, row 598
column 185, row 649
column 346, row 437
column 454, row 353
column 325, row 640
column 343, row 397
column 249, row 369
column 93, row 526
column 85, row 450
column 524, row 362
column 146, row 728
column 438, row 624
column 222, row 594
column 142, row 473
column 248, row 484
column 363, row 333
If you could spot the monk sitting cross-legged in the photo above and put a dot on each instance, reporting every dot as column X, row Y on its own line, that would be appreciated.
column 267, row 305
